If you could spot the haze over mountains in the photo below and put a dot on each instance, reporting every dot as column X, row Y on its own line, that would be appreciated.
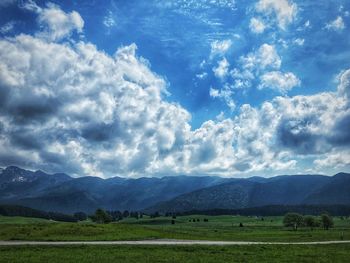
column 62, row 193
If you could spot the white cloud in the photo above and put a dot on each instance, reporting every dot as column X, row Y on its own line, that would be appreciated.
column 58, row 24
column 344, row 83
column 256, row 25
column 337, row 24
column 202, row 75
column 279, row 81
column 221, row 70
column 220, row 47
column 8, row 27
column 109, row 20
column 54, row 22
column 262, row 64
column 108, row 110
column 214, row 93
column 225, row 94
column 334, row 160
column 284, row 10
column 299, row 41
column 265, row 57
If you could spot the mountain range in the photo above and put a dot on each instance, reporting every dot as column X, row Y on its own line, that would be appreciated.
column 62, row 193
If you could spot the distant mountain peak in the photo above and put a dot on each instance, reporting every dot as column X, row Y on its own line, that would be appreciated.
column 342, row 174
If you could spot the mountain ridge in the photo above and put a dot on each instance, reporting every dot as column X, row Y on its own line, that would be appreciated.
column 61, row 193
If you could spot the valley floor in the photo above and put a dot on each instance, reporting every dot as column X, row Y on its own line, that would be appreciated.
column 218, row 228
column 152, row 240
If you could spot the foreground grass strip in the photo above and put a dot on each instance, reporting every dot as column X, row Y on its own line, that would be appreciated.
column 202, row 254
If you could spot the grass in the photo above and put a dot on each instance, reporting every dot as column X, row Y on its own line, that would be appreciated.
column 21, row 220
column 201, row 254
column 218, row 228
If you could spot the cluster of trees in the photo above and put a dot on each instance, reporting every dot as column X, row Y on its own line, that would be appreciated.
column 103, row 217
column 276, row 210
column 296, row 220
column 198, row 220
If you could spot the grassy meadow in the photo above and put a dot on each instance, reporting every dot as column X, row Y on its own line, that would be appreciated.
column 200, row 254
column 217, row 228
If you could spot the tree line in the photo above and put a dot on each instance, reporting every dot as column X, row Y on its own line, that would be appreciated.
column 275, row 210
column 296, row 221
column 16, row 210
column 102, row 216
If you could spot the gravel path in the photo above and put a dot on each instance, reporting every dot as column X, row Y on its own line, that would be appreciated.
column 160, row 242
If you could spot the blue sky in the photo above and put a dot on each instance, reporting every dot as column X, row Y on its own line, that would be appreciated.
column 232, row 88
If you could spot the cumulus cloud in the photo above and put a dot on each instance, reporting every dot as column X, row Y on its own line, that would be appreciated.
column 265, row 57
column 284, row 10
column 88, row 108
column 256, row 25
column 225, row 94
column 344, row 86
column 54, row 22
column 279, row 81
column 262, row 65
column 220, row 47
column 336, row 160
column 336, row 25
column 221, row 70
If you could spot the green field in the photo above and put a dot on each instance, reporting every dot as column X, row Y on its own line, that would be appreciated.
column 218, row 228
column 202, row 254
column 21, row 220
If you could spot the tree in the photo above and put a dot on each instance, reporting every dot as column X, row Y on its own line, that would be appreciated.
column 294, row 220
column 154, row 215
column 80, row 216
column 311, row 221
column 126, row 214
column 327, row 221
column 134, row 214
column 101, row 217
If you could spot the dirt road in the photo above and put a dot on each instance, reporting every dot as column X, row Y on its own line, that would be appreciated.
column 161, row 242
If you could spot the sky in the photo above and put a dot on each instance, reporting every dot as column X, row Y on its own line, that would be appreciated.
column 137, row 88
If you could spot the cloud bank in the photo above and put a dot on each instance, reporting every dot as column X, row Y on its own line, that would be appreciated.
column 68, row 106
